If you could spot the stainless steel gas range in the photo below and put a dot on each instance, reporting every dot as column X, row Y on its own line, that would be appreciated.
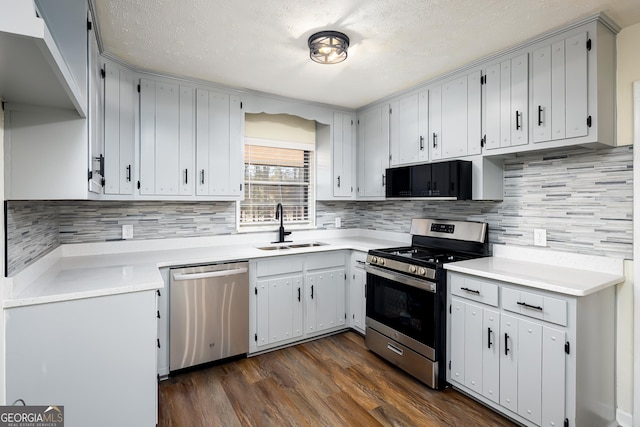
column 407, row 291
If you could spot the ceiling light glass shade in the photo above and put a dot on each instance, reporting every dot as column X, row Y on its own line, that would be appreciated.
column 328, row 47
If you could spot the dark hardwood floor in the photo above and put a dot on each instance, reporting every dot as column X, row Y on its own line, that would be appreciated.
column 334, row 381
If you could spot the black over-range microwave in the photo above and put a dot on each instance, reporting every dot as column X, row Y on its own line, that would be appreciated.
column 451, row 180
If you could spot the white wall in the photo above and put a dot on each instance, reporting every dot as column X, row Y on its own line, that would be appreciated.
column 628, row 71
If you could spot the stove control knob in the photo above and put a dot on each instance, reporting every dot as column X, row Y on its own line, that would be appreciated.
column 412, row 269
column 374, row 260
column 381, row 261
column 422, row 271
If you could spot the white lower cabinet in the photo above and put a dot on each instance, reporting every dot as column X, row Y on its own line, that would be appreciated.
column 541, row 358
column 357, row 292
column 296, row 297
column 105, row 345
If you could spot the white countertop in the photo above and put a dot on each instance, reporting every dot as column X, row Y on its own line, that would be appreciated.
column 569, row 274
column 64, row 275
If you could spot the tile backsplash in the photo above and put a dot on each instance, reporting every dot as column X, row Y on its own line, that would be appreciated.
column 582, row 197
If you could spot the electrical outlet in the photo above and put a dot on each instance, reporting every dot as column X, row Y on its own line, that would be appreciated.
column 539, row 237
column 338, row 222
column 127, row 231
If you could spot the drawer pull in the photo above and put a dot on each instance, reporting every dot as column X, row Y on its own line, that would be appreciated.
column 395, row 349
column 489, row 337
column 532, row 307
column 506, row 345
column 473, row 291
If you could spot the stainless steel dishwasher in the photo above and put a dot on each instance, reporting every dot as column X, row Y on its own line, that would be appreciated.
column 209, row 313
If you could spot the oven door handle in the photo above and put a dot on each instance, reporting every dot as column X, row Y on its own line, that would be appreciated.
column 401, row 278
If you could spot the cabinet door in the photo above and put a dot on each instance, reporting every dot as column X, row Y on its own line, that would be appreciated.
column 166, row 139
column 506, row 115
column 327, row 299
column 408, row 128
column 473, row 333
column 357, row 296
column 520, row 100
column 373, row 151
column 343, row 155
column 435, row 122
column 491, row 355
column 219, row 144
column 509, row 362
column 558, row 94
column 474, row 114
column 454, row 118
column 279, row 309
column 553, row 377
column 492, row 107
column 119, row 130
column 530, row 370
column 576, row 85
column 458, row 340
column 541, row 93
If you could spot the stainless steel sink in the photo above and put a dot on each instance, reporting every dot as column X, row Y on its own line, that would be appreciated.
column 292, row 246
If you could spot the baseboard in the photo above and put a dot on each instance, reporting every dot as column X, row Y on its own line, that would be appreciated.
column 624, row 419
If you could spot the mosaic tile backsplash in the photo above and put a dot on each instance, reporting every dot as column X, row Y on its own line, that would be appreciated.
column 583, row 198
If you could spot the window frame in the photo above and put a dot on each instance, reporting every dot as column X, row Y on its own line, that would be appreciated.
column 248, row 228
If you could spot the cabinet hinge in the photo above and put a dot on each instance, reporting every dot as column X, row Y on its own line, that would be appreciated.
column 158, row 315
column 483, row 80
column 89, row 25
column 589, row 121
column 345, row 316
column 351, row 122
column 158, row 343
column 358, row 122
column 390, row 157
column 158, row 377
column 566, row 422
column 255, row 290
column 90, row 175
column 158, row 292
column 240, row 187
column 255, row 337
column 390, row 110
column 449, row 313
column 138, row 88
column 567, row 347
column 103, row 73
column 449, row 364
column 138, row 185
column 483, row 141
column 241, row 105
column 103, row 182
column 589, row 44
column 345, row 276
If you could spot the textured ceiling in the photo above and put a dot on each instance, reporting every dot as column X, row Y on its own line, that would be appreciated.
column 395, row 44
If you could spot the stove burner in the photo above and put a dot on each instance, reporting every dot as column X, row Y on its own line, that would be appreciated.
column 423, row 255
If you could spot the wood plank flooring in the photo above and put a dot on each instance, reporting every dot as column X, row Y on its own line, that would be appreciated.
column 333, row 381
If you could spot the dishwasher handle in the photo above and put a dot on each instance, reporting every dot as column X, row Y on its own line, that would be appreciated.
column 208, row 274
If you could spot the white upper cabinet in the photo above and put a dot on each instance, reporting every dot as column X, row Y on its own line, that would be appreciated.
column 373, row 152
column 119, row 130
column 455, row 109
column 408, row 129
column 167, row 139
column 560, row 88
column 344, row 154
column 506, row 103
column 219, row 145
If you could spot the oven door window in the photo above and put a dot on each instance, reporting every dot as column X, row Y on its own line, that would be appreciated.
column 404, row 308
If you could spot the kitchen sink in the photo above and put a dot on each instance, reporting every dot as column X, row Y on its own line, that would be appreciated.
column 292, row 246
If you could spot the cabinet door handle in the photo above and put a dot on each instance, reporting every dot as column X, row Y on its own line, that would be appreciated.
column 421, row 143
column 489, row 337
column 311, row 291
column 186, row 176
column 473, row 291
column 532, row 307
column 518, row 115
column 298, row 294
column 202, row 177
column 539, row 115
column 128, row 173
column 506, row 344
column 338, row 181
column 435, row 144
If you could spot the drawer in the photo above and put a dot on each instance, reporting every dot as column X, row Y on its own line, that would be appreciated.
column 474, row 288
column 279, row 265
column 535, row 305
column 325, row 260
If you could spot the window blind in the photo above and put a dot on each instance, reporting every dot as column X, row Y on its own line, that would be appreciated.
column 275, row 175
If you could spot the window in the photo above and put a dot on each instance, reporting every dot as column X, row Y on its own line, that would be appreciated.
column 276, row 172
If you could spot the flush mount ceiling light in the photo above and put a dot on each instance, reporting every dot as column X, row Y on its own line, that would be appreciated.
column 328, row 47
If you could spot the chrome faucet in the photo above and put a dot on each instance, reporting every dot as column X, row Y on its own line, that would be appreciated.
column 281, row 232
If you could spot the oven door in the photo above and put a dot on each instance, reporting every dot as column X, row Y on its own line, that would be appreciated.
column 403, row 308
